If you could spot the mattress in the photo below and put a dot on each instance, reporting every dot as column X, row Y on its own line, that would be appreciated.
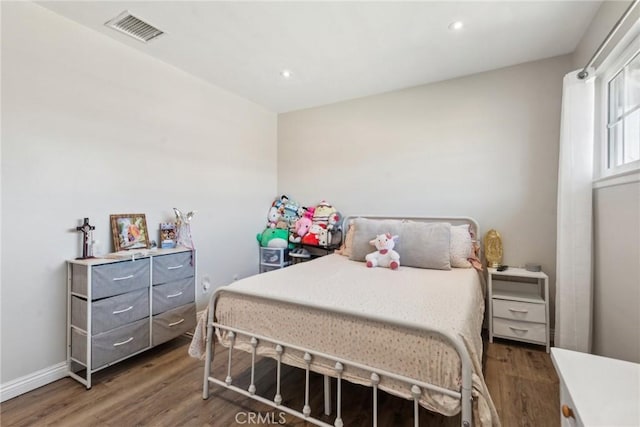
column 451, row 301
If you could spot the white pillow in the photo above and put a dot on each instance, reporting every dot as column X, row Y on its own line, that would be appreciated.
column 461, row 247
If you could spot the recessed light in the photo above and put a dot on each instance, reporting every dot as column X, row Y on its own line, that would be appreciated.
column 286, row 74
column 456, row 25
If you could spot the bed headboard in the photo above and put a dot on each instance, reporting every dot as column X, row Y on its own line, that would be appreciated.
column 453, row 220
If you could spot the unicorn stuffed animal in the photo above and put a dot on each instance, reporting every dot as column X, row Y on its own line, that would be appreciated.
column 385, row 256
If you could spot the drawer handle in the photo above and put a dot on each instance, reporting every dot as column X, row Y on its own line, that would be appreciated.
column 567, row 412
column 174, row 295
column 175, row 267
column 116, row 279
column 122, row 311
column 518, row 329
column 515, row 310
column 123, row 342
column 176, row 323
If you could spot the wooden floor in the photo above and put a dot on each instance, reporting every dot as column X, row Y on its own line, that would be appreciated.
column 163, row 387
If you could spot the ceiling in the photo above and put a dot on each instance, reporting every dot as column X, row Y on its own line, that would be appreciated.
column 340, row 50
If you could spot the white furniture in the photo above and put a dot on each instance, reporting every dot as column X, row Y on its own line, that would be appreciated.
column 597, row 391
column 118, row 307
column 519, row 305
column 273, row 258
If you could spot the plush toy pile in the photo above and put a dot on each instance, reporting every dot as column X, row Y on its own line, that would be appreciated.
column 289, row 223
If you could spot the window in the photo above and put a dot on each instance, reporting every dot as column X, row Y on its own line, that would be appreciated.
column 624, row 115
column 621, row 84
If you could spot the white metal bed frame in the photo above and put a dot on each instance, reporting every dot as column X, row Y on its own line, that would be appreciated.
column 415, row 386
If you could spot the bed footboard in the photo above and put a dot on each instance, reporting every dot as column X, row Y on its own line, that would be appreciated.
column 414, row 386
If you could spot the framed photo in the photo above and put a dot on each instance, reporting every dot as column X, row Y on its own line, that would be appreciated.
column 168, row 235
column 129, row 231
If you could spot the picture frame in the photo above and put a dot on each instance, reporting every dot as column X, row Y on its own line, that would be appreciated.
column 129, row 231
column 168, row 235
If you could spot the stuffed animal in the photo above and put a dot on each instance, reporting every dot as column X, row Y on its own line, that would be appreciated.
column 273, row 238
column 326, row 214
column 281, row 201
column 300, row 229
column 309, row 211
column 273, row 217
column 290, row 212
column 323, row 237
column 313, row 236
column 327, row 217
column 283, row 213
column 385, row 256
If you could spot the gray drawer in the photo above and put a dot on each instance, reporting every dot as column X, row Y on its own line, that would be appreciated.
column 109, row 313
column 111, row 279
column 173, row 323
column 173, row 294
column 113, row 345
column 167, row 268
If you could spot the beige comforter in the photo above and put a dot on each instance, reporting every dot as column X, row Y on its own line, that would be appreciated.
column 442, row 300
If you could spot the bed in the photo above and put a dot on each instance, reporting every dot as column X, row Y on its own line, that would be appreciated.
column 412, row 332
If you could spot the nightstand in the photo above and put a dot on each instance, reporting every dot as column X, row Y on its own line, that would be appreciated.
column 519, row 305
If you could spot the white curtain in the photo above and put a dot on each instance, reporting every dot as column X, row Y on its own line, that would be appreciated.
column 574, row 241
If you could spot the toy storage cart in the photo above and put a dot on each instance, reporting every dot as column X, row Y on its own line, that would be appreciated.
column 273, row 259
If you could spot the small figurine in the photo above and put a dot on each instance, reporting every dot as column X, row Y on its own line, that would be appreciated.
column 184, row 228
column 86, row 230
column 493, row 248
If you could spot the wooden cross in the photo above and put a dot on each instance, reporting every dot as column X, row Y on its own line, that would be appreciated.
column 86, row 229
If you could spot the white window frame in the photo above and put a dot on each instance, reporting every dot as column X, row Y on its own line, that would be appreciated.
column 620, row 56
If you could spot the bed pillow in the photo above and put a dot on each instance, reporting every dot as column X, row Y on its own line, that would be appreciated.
column 420, row 244
column 366, row 230
column 461, row 246
column 425, row 245
column 347, row 244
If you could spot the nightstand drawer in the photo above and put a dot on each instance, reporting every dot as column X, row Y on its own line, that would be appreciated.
column 517, row 310
column 536, row 332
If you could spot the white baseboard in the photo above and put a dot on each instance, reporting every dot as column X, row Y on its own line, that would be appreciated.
column 24, row 384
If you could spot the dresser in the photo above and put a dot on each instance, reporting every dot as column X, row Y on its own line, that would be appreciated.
column 122, row 305
column 519, row 305
column 596, row 390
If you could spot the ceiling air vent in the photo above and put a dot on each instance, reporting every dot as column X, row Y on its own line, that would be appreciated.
column 130, row 25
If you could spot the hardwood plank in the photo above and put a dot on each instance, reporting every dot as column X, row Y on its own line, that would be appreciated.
column 163, row 387
column 523, row 384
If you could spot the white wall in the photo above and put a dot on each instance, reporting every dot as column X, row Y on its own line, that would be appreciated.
column 484, row 146
column 90, row 128
column 616, row 311
column 616, row 263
